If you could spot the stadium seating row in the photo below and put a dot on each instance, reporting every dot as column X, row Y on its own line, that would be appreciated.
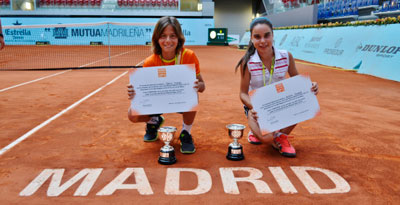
column 148, row 3
column 69, row 3
column 339, row 8
column 4, row 3
column 392, row 5
column 121, row 3
column 296, row 3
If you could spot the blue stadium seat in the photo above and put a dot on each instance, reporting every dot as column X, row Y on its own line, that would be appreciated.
column 359, row 3
column 393, row 5
column 328, row 13
column 354, row 10
column 348, row 8
column 320, row 15
column 354, row 3
column 364, row 3
column 342, row 9
column 385, row 6
column 320, row 11
column 339, row 12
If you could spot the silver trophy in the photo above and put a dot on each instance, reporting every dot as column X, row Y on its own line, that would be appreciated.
column 235, row 149
column 167, row 152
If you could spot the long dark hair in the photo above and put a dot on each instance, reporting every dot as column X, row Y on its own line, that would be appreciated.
column 251, row 49
column 159, row 28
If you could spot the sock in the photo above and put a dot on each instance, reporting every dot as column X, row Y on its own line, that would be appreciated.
column 277, row 134
column 153, row 120
column 186, row 127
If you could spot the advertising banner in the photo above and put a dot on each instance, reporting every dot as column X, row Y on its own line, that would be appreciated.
column 373, row 50
column 194, row 30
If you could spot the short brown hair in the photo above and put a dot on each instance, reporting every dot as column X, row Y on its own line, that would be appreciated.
column 159, row 28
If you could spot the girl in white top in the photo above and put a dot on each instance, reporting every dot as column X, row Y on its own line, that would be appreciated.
column 262, row 65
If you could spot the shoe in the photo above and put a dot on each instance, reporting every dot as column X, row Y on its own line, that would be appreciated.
column 152, row 130
column 282, row 144
column 187, row 146
column 252, row 139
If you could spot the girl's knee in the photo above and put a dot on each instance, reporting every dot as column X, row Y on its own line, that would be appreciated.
column 190, row 115
column 133, row 118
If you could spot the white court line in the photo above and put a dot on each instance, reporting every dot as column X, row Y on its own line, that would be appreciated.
column 32, row 81
column 4, row 89
column 29, row 133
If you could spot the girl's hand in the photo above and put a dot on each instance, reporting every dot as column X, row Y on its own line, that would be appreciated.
column 131, row 91
column 253, row 114
column 314, row 88
column 198, row 86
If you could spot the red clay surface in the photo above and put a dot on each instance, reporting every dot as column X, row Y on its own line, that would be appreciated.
column 356, row 136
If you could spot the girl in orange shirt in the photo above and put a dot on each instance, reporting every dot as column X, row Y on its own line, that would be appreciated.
column 167, row 42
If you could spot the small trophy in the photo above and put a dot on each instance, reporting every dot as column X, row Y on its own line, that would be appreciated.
column 167, row 152
column 235, row 149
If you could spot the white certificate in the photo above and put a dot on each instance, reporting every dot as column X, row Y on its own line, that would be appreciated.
column 163, row 89
column 284, row 103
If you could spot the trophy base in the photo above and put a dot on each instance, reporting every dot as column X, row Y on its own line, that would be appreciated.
column 167, row 158
column 235, row 154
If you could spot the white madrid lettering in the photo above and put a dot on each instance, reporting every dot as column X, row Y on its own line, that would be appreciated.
column 341, row 184
column 55, row 189
column 142, row 183
column 204, row 182
column 283, row 180
column 230, row 182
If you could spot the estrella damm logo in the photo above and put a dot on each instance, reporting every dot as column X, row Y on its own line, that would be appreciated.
column 162, row 72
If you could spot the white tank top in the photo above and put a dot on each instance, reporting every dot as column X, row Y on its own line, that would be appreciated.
column 255, row 68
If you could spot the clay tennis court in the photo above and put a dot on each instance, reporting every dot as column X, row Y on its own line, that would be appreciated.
column 355, row 137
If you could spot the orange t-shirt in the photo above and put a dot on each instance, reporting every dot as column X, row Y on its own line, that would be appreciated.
column 188, row 57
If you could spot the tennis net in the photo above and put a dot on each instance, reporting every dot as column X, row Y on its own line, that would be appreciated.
column 75, row 46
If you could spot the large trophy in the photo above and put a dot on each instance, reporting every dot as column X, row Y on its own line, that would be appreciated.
column 235, row 149
column 167, row 152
